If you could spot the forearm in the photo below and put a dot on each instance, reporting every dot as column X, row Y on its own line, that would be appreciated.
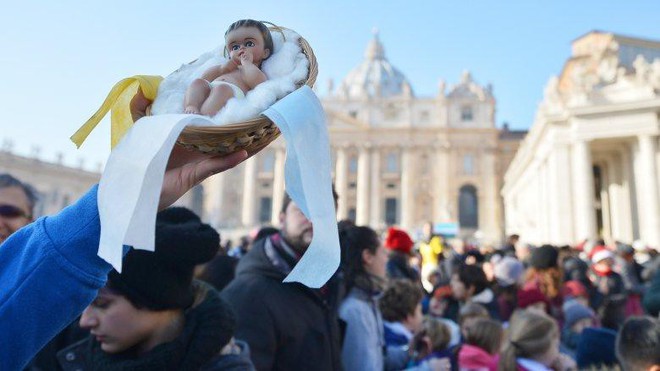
column 50, row 272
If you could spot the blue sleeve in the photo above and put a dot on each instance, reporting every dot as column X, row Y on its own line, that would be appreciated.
column 49, row 273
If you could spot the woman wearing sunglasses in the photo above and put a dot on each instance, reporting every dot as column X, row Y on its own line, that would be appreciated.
column 17, row 201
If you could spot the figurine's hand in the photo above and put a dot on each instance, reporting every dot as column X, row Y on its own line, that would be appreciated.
column 247, row 58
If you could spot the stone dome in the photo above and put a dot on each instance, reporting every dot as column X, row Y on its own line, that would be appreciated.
column 375, row 76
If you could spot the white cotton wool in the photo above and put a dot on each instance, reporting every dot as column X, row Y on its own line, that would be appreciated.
column 286, row 66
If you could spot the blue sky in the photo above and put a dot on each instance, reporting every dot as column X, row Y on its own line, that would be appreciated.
column 60, row 58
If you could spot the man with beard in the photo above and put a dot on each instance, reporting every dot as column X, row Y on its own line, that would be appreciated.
column 288, row 326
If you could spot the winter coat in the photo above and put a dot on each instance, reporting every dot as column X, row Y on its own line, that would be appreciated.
column 45, row 264
column 208, row 328
column 364, row 342
column 473, row 358
column 487, row 298
column 398, row 267
column 287, row 325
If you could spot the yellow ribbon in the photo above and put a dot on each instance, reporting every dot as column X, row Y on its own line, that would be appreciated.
column 119, row 100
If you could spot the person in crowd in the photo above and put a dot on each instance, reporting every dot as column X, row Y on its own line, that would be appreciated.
column 153, row 315
column 509, row 247
column 575, row 290
column 609, row 297
column 631, row 274
column 507, row 272
column 445, row 308
column 287, row 325
column 430, row 248
column 468, row 314
column 241, row 249
column 400, row 245
column 17, row 200
column 544, row 275
column 469, row 284
column 596, row 349
column 65, row 246
column 483, row 339
column 219, row 272
column 364, row 265
column 577, row 317
column 532, row 298
column 651, row 300
column 638, row 344
column 431, row 347
column 532, row 343
column 401, row 307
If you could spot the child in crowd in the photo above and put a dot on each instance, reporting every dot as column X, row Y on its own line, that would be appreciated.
column 532, row 343
column 577, row 317
column 430, row 344
column 469, row 285
column 248, row 43
column 402, row 311
column 468, row 314
column 483, row 339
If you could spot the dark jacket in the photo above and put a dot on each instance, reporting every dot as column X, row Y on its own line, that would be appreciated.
column 287, row 325
column 208, row 328
column 398, row 267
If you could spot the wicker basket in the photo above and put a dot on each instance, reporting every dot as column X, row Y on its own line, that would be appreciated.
column 251, row 135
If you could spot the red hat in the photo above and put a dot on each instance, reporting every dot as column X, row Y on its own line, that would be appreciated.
column 532, row 295
column 574, row 289
column 599, row 253
column 398, row 240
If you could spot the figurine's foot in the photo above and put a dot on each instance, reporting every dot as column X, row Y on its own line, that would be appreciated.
column 191, row 110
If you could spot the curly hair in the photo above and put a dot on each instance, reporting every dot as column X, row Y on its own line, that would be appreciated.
column 548, row 280
column 400, row 300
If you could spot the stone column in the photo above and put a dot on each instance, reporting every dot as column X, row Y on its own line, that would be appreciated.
column 561, row 226
column 441, row 176
column 407, row 201
column 278, row 185
column 362, row 210
column 249, row 192
column 376, row 202
column 583, row 191
column 341, row 183
column 489, row 213
column 214, row 199
column 647, row 195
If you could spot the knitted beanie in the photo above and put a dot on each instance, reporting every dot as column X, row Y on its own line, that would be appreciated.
column 508, row 271
column 574, row 311
column 398, row 240
column 162, row 279
column 530, row 296
column 544, row 257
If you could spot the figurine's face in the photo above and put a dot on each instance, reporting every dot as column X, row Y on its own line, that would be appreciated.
column 246, row 40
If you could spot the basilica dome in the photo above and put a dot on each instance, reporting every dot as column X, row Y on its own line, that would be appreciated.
column 375, row 76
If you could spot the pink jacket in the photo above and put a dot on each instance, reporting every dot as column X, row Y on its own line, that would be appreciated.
column 474, row 358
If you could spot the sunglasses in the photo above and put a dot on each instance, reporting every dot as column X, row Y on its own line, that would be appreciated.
column 10, row 211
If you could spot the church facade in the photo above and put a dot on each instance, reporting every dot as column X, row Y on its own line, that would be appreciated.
column 589, row 167
column 398, row 159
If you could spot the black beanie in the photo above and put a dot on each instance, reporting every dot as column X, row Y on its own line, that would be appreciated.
column 544, row 257
column 162, row 279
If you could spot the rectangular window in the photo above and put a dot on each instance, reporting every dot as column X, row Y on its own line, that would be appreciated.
column 390, row 211
column 392, row 163
column 466, row 113
column 265, row 209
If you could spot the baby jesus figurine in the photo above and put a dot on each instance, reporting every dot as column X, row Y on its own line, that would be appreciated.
column 248, row 43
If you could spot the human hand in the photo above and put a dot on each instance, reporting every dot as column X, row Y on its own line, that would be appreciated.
column 185, row 168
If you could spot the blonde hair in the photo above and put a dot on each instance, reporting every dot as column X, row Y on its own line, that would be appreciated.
column 471, row 310
column 485, row 333
column 437, row 332
column 530, row 334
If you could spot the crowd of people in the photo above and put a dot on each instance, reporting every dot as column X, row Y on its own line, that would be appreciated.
column 436, row 303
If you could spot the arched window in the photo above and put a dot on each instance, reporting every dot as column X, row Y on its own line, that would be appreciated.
column 468, row 207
